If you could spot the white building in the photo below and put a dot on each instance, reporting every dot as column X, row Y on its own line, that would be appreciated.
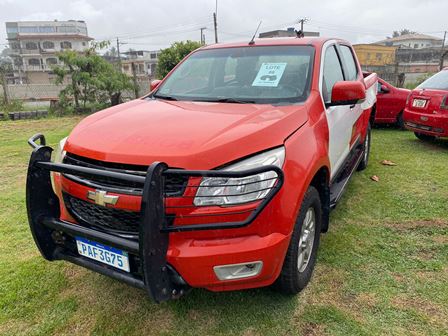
column 143, row 61
column 414, row 41
column 34, row 46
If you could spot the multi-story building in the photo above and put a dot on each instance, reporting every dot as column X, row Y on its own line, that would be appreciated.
column 375, row 54
column 143, row 61
column 34, row 46
column 414, row 41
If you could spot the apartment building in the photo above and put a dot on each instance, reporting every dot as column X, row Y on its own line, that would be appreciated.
column 34, row 46
column 143, row 61
column 414, row 41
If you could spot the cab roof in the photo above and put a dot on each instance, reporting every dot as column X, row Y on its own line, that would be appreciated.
column 314, row 41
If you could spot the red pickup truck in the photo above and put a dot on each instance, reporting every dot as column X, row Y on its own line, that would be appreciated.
column 222, row 177
column 426, row 112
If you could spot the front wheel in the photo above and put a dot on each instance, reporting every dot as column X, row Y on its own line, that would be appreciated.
column 424, row 137
column 300, row 258
column 365, row 150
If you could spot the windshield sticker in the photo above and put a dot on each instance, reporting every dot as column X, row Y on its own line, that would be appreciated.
column 269, row 74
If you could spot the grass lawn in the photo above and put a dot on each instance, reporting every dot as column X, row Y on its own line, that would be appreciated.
column 382, row 268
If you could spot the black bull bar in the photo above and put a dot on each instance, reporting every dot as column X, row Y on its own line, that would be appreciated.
column 150, row 270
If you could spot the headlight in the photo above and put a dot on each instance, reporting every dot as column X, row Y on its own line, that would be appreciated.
column 59, row 154
column 231, row 191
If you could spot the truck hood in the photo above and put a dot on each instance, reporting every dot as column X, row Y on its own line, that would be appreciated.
column 191, row 135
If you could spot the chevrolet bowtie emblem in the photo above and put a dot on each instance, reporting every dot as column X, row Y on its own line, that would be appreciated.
column 101, row 197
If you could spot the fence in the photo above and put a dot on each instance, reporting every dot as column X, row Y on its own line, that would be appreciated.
column 48, row 92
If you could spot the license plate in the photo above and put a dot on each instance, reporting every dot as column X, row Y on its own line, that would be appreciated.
column 105, row 254
column 419, row 102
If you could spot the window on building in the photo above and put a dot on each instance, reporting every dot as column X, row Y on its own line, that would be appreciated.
column 12, row 30
column 153, row 69
column 153, row 56
column 67, row 29
column 368, row 56
column 34, row 61
column 332, row 72
column 14, row 45
column 84, row 44
column 415, row 45
column 31, row 45
column 126, row 68
column 350, row 64
column 379, row 56
column 51, row 61
column 28, row 30
column 66, row 45
column 47, row 29
column 48, row 45
column 141, row 68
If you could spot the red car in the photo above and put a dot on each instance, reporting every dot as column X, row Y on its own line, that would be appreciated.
column 426, row 112
column 390, row 104
column 223, row 177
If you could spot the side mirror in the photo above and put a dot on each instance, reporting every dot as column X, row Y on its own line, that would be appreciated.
column 154, row 84
column 384, row 89
column 347, row 93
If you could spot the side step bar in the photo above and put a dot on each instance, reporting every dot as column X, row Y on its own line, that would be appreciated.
column 339, row 183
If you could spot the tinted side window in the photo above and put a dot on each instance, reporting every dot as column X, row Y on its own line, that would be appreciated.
column 332, row 72
column 349, row 61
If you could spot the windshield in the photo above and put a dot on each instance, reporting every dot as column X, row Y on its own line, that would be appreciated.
column 439, row 81
column 272, row 74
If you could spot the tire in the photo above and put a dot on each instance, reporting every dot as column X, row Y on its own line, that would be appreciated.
column 365, row 150
column 424, row 137
column 296, row 273
column 400, row 121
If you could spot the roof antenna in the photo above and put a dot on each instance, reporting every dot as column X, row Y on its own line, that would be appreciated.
column 253, row 37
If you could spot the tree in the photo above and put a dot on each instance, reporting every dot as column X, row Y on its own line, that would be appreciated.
column 402, row 32
column 171, row 56
column 91, row 78
column 5, row 69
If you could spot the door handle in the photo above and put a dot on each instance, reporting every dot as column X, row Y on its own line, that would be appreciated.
column 352, row 106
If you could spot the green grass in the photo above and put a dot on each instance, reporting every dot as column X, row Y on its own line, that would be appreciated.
column 382, row 268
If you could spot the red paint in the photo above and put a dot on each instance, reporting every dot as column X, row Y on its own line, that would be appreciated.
column 434, row 114
column 391, row 103
column 346, row 91
column 198, row 135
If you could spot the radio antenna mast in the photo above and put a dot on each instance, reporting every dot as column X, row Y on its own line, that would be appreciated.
column 253, row 37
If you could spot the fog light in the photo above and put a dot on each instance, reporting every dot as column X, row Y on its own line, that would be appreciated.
column 238, row 271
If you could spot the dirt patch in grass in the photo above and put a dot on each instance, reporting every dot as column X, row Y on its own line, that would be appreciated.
column 411, row 225
column 312, row 329
column 431, row 311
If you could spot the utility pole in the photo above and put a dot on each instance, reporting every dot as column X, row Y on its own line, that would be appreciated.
column 119, row 55
column 202, row 35
column 302, row 21
column 134, row 80
column 216, row 27
column 442, row 53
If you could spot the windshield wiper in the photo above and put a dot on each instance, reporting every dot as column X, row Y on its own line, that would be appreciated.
column 165, row 97
column 233, row 100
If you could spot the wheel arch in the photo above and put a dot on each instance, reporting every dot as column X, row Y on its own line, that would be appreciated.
column 321, row 181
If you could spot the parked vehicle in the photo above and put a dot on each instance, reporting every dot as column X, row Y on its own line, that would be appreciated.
column 426, row 112
column 390, row 104
column 223, row 177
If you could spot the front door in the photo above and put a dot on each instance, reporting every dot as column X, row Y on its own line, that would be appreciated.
column 341, row 120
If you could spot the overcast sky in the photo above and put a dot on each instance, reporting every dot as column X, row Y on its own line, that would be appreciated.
column 153, row 24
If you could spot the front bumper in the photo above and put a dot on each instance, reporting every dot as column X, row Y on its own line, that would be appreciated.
column 149, row 254
column 430, row 124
